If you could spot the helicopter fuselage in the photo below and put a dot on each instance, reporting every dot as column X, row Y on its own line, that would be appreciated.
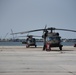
column 30, row 42
column 53, row 40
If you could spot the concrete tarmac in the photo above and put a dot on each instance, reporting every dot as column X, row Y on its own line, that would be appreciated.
column 19, row 60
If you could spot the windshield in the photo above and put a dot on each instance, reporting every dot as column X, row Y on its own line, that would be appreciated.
column 53, row 38
column 31, row 41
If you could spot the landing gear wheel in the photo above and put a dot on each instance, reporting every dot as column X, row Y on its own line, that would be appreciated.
column 44, row 47
column 35, row 46
column 60, row 48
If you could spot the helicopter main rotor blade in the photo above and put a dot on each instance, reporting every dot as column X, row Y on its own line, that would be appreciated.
column 65, row 30
column 27, row 36
column 28, row 31
column 51, row 28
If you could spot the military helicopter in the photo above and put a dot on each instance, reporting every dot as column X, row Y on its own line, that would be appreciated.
column 51, row 39
column 30, row 41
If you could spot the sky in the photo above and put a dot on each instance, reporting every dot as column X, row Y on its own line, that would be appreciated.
column 25, row 15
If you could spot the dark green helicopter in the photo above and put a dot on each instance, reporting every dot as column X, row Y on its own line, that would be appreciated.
column 50, row 38
column 30, row 40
